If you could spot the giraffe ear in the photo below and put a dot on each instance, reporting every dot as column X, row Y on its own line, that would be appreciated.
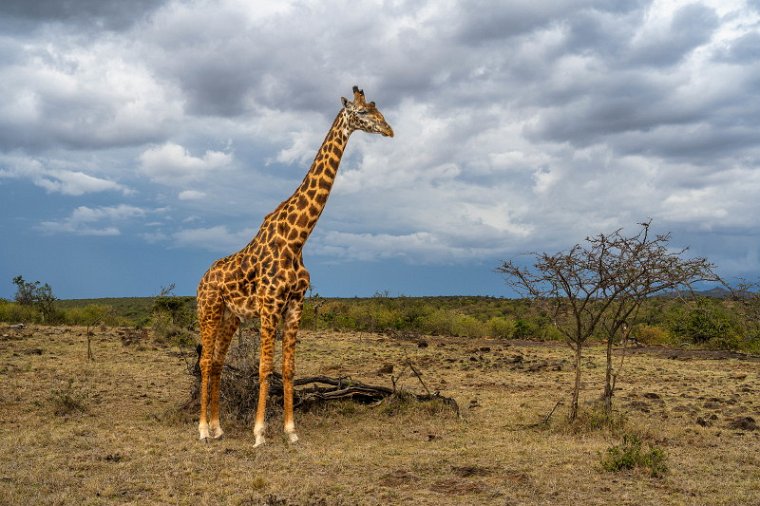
column 345, row 101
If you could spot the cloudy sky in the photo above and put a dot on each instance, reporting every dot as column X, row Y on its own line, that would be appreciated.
column 141, row 140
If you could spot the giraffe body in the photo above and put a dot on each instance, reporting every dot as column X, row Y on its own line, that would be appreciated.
column 267, row 278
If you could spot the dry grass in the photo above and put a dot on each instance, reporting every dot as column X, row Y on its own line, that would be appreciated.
column 109, row 431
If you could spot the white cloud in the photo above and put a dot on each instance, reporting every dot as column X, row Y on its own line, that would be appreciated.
column 191, row 195
column 57, row 180
column 217, row 238
column 172, row 164
column 76, row 183
column 89, row 96
column 99, row 221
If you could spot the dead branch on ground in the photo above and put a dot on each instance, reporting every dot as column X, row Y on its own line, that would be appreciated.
column 240, row 387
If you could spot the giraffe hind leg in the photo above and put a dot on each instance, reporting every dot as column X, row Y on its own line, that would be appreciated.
column 225, row 332
column 210, row 317
column 208, row 335
column 269, row 321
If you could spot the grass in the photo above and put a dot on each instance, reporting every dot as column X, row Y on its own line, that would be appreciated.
column 67, row 400
column 131, row 443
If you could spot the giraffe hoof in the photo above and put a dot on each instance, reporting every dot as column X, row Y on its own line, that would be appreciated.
column 292, row 437
column 203, row 434
column 259, row 441
column 217, row 433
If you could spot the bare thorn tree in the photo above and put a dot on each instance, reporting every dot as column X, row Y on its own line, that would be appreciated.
column 598, row 288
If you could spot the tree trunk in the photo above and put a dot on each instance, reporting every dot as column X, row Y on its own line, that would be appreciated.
column 608, row 380
column 577, row 388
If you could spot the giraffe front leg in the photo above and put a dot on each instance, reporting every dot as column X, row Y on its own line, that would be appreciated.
column 266, row 358
column 292, row 322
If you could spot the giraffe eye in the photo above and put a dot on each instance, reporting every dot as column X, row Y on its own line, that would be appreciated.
column 362, row 112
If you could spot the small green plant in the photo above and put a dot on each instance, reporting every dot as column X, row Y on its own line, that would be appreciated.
column 631, row 455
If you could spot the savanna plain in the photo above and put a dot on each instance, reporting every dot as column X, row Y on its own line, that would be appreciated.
column 115, row 430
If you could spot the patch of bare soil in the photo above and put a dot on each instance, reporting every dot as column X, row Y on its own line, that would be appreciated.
column 686, row 354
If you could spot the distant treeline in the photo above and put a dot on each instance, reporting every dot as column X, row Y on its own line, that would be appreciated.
column 712, row 322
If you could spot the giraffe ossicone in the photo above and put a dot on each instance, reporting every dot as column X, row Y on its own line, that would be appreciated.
column 267, row 278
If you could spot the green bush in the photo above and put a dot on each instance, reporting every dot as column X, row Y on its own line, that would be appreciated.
column 502, row 327
column 165, row 329
column 438, row 322
column 526, row 329
column 551, row 333
column 467, row 326
column 91, row 314
column 704, row 321
column 375, row 317
column 631, row 455
column 728, row 342
column 12, row 312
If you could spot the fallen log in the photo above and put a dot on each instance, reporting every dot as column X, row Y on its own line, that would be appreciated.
column 240, row 388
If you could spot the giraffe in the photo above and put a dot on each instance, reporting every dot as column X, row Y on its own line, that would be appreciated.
column 267, row 278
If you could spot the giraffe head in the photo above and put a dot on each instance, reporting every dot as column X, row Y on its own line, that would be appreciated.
column 365, row 116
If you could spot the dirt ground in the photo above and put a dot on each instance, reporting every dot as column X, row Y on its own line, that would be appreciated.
column 74, row 431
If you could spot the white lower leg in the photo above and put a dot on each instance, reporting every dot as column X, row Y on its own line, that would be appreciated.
column 290, row 430
column 215, row 429
column 203, row 431
column 258, row 432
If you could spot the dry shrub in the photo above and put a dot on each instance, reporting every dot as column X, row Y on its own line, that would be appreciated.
column 652, row 335
column 239, row 388
column 68, row 400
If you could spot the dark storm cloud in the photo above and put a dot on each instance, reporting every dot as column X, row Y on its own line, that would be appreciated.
column 601, row 33
column 486, row 20
column 691, row 26
column 106, row 14
column 628, row 102
column 744, row 49
column 231, row 65
column 700, row 145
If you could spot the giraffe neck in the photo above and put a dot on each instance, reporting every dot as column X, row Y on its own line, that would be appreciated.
column 303, row 208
